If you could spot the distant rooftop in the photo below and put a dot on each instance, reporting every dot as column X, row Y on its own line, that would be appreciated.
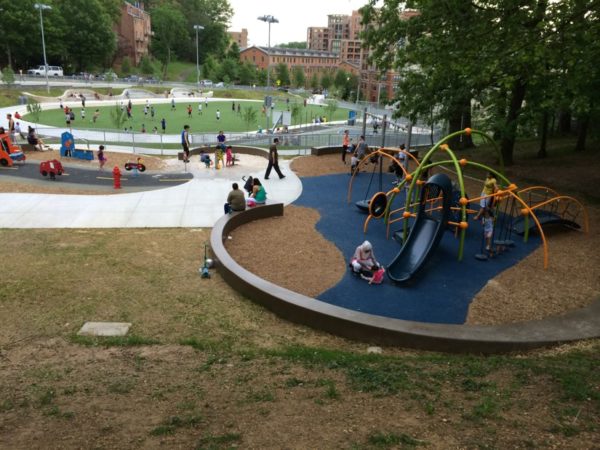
column 280, row 51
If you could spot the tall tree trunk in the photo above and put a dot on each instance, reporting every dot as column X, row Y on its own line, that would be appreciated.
column 507, row 144
column 542, row 152
column 564, row 123
column 8, row 55
column 582, row 133
column 455, row 124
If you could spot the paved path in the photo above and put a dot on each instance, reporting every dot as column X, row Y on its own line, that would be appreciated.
column 197, row 203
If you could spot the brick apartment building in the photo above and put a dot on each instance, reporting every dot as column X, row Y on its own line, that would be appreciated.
column 239, row 37
column 342, row 37
column 133, row 32
column 312, row 61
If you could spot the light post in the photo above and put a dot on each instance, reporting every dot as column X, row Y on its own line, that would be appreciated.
column 269, row 19
column 40, row 7
column 198, row 28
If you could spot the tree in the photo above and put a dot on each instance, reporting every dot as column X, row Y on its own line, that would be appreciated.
column 298, row 76
column 229, row 70
column 34, row 109
column 210, row 68
column 247, row 73
column 249, row 117
column 326, row 80
column 296, row 44
column 126, row 66
column 330, row 109
column 296, row 111
column 8, row 76
column 118, row 117
column 233, row 52
column 282, row 74
column 146, row 66
column 89, row 39
column 314, row 81
column 169, row 24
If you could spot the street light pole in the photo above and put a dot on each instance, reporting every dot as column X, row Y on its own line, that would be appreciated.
column 40, row 7
column 198, row 28
column 269, row 19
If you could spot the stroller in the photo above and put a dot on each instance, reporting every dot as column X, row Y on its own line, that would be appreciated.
column 248, row 184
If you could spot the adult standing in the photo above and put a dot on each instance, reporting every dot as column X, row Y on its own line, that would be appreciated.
column 185, row 143
column 236, row 200
column 273, row 160
column 163, row 125
column 361, row 148
column 345, row 145
column 221, row 140
column 11, row 127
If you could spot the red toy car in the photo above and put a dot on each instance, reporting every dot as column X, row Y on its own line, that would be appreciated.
column 51, row 168
column 138, row 165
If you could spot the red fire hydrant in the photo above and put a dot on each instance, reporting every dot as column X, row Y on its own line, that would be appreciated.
column 117, row 177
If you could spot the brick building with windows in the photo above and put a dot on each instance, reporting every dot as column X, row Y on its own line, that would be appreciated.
column 312, row 61
column 133, row 32
column 239, row 37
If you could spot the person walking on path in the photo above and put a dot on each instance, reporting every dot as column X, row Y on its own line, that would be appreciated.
column 185, row 143
column 273, row 161
column 345, row 145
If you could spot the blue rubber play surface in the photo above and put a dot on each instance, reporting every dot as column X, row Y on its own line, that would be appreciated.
column 440, row 293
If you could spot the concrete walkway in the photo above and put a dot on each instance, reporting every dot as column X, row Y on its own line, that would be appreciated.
column 197, row 203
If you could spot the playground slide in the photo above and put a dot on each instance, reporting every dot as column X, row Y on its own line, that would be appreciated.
column 426, row 232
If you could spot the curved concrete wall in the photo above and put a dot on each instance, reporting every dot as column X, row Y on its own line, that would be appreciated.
column 576, row 325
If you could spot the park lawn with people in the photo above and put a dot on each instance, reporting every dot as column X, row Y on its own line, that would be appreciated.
column 230, row 120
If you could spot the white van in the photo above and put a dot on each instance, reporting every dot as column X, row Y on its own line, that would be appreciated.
column 53, row 71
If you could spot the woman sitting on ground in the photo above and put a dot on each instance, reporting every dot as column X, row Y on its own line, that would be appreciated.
column 33, row 139
column 258, row 195
column 363, row 261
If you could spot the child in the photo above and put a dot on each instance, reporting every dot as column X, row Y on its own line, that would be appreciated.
column 218, row 158
column 377, row 275
column 101, row 157
column 488, row 227
column 354, row 164
column 204, row 158
column 228, row 156
column 189, row 111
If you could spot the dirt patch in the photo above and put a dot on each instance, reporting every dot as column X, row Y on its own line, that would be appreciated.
column 313, row 166
column 301, row 252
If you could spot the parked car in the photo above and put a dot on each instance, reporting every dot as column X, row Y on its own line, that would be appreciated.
column 220, row 84
column 206, row 83
column 53, row 71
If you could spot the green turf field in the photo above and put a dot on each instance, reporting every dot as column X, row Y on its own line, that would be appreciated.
column 207, row 122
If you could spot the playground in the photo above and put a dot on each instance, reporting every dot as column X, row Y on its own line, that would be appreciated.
column 514, row 285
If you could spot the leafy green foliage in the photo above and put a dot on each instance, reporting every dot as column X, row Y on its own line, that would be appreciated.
column 169, row 26
column 249, row 116
column 282, row 74
column 118, row 117
column 515, row 60
column 126, row 66
column 298, row 77
column 8, row 76
column 35, row 109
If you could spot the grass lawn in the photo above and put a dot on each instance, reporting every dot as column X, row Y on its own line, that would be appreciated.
column 205, row 368
column 207, row 122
